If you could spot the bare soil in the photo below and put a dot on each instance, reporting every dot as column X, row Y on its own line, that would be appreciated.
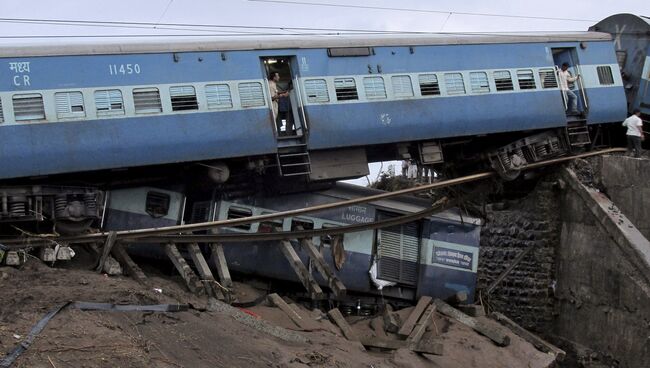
column 201, row 338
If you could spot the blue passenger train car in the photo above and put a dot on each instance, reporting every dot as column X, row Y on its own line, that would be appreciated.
column 67, row 111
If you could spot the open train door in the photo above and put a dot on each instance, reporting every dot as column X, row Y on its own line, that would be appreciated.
column 570, row 56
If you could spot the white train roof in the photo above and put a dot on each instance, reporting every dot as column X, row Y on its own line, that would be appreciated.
column 261, row 42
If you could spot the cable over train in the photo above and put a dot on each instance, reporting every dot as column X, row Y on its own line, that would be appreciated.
column 81, row 118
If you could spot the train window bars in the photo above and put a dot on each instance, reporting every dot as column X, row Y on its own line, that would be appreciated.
column 454, row 83
column 429, row 85
column 109, row 102
column 402, row 86
column 526, row 79
column 2, row 114
column 29, row 107
column 218, row 96
column 374, row 87
column 316, row 90
column 479, row 82
column 147, row 101
column 251, row 94
column 503, row 80
column 239, row 212
column 157, row 204
column 605, row 76
column 346, row 89
column 183, row 98
column 69, row 105
column 547, row 76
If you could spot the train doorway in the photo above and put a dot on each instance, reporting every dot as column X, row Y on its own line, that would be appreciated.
column 284, row 96
column 569, row 56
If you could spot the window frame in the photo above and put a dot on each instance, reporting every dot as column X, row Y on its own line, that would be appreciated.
column 30, row 118
column 376, row 84
column 110, row 111
column 257, row 97
column 181, row 101
column 452, row 86
column 532, row 78
column 318, row 97
column 219, row 105
column 605, row 75
column 149, row 107
column 346, row 95
column 498, row 85
column 398, row 92
column 435, row 85
column 480, row 88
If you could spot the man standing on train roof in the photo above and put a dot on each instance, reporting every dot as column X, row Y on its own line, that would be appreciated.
column 635, row 135
column 274, row 78
column 572, row 100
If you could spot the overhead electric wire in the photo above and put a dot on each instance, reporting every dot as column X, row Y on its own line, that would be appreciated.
column 413, row 10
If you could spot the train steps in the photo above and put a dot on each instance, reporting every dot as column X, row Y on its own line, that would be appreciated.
column 294, row 160
column 578, row 133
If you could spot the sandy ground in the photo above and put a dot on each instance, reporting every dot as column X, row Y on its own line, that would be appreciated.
column 201, row 338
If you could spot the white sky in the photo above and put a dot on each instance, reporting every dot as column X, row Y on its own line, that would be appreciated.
column 287, row 13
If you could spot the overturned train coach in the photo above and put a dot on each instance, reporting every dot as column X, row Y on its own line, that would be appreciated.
column 436, row 255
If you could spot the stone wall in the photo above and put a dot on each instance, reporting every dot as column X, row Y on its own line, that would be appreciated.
column 526, row 294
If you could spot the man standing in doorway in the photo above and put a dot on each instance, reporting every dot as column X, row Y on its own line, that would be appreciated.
column 274, row 78
column 572, row 100
column 635, row 135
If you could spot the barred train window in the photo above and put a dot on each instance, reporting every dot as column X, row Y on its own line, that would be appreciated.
column 251, row 94
column 503, row 80
column 2, row 114
column 29, row 107
column 429, row 85
column 346, row 89
column 526, row 79
column 109, row 102
column 547, row 76
column 183, row 98
column 479, row 82
column 147, row 100
column 218, row 96
column 239, row 212
column 157, row 204
column 402, row 86
column 375, row 88
column 454, row 83
column 605, row 76
column 69, row 104
column 316, row 90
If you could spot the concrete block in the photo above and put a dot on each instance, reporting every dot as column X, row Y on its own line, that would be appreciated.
column 46, row 254
column 64, row 253
column 14, row 258
column 112, row 267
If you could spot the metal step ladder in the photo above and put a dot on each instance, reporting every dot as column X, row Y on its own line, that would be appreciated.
column 293, row 159
column 578, row 133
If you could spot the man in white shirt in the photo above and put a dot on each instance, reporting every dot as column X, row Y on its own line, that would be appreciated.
column 572, row 100
column 635, row 135
column 274, row 78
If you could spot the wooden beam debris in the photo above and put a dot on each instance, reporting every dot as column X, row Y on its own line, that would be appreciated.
column 498, row 336
column 108, row 246
column 323, row 268
column 219, row 260
column 301, row 271
column 539, row 343
column 209, row 283
column 191, row 280
column 336, row 317
column 422, row 347
column 413, row 318
column 294, row 315
column 131, row 267
column 421, row 327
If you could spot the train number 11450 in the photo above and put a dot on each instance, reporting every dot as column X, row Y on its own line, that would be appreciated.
column 123, row 69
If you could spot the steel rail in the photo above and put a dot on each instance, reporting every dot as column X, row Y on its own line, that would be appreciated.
column 140, row 233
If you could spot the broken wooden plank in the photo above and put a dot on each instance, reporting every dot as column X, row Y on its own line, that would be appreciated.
column 377, row 324
column 108, row 246
column 301, row 271
column 422, row 347
column 336, row 317
column 191, row 280
column 412, row 319
column 209, row 283
column 539, row 343
column 472, row 310
column 296, row 317
column 131, row 267
column 421, row 327
column 323, row 268
column 219, row 260
column 498, row 336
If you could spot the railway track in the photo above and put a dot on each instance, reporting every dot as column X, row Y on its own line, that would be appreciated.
column 182, row 233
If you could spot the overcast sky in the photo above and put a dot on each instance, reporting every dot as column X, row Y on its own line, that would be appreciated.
column 403, row 15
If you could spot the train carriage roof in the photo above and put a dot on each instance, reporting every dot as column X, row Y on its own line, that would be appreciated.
column 631, row 22
column 258, row 42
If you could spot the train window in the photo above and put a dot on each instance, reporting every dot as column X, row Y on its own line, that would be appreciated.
column 429, row 85
column 605, row 76
column 374, row 87
column 526, row 79
column 479, row 82
column 147, row 100
column 183, row 98
column 454, row 84
column 157, row 204
column 251, row 94
column 109, row 102
column 29, row 107
column 346, row 89
column 218, row 96
column 547, row 76
column 305, row 224
column 621, row 57
column 2, row 114
column 402, row 86
column 503, row 80
column 316, row 90
column 238, row 212
column 69, row 104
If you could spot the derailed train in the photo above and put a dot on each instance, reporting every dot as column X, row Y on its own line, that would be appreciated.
column 436, row 255
column 118, row 114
